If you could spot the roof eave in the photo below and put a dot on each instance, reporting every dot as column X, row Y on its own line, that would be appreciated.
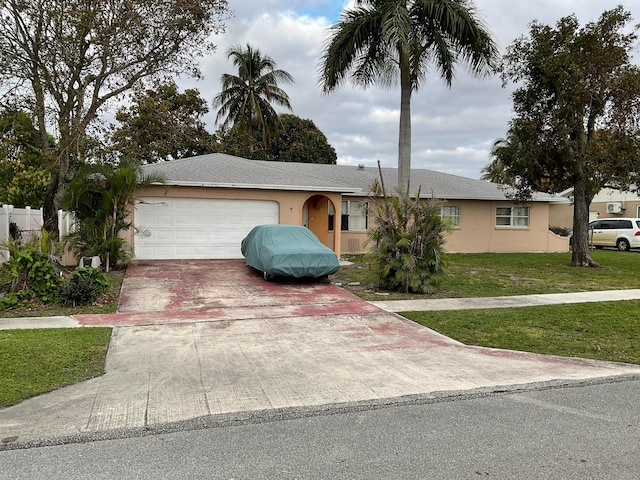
column 303, row 188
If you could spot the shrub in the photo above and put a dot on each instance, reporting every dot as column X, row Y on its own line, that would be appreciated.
column 84, row 286
column 562, row 231
column 407, row 236
column 101, row 198
column 29, row 274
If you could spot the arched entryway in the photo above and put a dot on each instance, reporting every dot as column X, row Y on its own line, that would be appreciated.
column 315, row 216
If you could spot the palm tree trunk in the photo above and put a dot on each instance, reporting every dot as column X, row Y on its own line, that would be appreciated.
column 404, row 136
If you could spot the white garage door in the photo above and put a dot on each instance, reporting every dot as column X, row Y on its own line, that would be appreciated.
column 185, row 228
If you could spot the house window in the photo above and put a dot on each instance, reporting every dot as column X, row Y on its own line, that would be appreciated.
column 450, row 214
column 355, row 216
column 512, row 217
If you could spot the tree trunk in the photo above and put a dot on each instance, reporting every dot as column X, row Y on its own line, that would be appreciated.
column 581, row 251
column 404, row 134
column 61, row 177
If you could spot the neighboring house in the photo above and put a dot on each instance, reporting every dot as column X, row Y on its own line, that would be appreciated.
column 608, row 203
column 210, row 202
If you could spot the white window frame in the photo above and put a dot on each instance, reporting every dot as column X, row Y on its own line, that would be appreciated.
column 517, row 217
column 352, row 210
column 350, row 213
column 451, row 214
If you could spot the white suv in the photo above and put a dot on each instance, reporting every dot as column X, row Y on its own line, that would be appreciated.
column 623, row 233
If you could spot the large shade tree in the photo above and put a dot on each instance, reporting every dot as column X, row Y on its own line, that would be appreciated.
column 577, row 115
column 299, row 140
column 395, row 41
column 69, row 58
column 162, row 124
column 246, row 98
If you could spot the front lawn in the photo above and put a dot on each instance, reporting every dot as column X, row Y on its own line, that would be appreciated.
column 500, row 274
column 600, row 331
column 36, row 361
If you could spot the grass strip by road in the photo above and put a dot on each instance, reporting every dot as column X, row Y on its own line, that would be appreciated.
column 600, row 331
column 506, row 274
column 36, row 361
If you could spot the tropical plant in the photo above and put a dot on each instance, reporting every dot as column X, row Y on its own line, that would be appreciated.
column 577, row 115
column 407, row 238
column 31, row 273
column 101, row 197
column 246, row 98
column 83, row 287
column 386, row 41
column 71, row 58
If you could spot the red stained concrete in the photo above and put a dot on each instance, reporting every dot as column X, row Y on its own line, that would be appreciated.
column 194, row 339
column 168, row 292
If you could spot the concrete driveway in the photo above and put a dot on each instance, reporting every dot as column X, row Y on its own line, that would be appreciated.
column 200, row 339
column 165, row 292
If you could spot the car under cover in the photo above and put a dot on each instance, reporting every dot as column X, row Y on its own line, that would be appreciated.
column 288, row 250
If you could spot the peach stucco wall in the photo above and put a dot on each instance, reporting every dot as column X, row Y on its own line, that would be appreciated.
column 562, row 215
column 291, row 205
column 477, row 231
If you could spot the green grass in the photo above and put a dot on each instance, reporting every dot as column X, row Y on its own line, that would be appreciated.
column 108, row 303
column 500, row 274
column 36, row 361
column 601, row 331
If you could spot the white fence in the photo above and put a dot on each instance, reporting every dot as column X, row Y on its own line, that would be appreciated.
column 28, row 222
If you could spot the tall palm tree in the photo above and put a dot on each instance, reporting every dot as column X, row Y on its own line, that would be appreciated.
column 381, row 40
column 246, row 98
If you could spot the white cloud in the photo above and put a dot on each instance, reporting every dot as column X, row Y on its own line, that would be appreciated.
column 453, row 129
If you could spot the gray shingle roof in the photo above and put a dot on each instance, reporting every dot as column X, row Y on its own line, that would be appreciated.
column 221, row 170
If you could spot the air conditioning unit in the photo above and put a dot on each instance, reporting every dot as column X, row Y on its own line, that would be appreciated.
column 614, row 207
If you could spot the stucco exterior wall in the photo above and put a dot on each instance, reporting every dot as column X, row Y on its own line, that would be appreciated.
column 561, row 215
column 629, row 208
column 291, row 205
column 478, row 232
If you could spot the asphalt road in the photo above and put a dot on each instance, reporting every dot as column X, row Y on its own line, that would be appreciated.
column 587, row 432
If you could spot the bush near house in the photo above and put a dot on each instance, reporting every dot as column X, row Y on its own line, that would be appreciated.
column 31, row 275
column 100, row 197
column 407, row 237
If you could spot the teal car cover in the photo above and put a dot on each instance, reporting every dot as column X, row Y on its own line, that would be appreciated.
column 288, row 250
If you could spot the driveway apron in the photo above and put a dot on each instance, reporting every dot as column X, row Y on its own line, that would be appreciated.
column 199, row 339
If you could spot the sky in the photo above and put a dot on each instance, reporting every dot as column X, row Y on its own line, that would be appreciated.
column 452, row 128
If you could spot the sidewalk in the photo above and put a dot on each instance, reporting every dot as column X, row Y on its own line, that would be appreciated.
column 437, row 304
column 506, row 302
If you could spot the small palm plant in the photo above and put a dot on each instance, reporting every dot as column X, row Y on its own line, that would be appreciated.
column 101, row 198
column 407, row 237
